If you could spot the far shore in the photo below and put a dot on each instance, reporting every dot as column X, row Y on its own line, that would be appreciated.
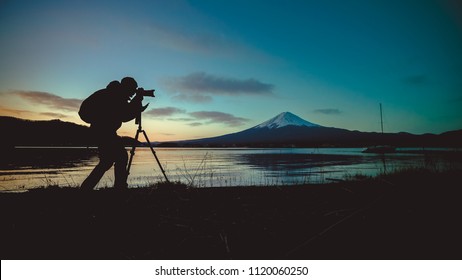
column 412, row 214
column 145, row 145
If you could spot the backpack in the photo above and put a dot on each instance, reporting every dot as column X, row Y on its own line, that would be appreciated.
column 90, row 109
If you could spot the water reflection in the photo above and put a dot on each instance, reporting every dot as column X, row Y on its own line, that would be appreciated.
column 37, row 157
column 34, row 167
column 283, row 162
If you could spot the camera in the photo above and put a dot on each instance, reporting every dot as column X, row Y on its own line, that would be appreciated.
column 143, row 92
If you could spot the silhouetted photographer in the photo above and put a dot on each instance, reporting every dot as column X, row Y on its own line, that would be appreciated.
column 106, row 110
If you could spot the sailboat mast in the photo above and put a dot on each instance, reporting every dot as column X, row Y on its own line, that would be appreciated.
column 381, row 117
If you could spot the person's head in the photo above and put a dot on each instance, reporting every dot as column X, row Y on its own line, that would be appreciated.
column 129, row 86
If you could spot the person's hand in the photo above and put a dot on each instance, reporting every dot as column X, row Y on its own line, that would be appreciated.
column 138, row 98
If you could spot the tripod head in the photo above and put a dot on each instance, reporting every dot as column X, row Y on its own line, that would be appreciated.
column 140, row 93
column 138, row 117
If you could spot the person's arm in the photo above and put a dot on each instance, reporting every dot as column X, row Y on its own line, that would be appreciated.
column 133, row 108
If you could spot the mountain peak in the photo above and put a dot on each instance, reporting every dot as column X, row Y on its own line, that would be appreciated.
column 285, row 119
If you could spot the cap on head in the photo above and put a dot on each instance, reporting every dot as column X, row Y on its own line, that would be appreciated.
column 129, row 83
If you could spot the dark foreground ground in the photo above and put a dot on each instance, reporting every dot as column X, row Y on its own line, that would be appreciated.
column 414, row 215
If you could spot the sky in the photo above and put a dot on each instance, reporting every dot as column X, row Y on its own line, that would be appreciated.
column 220, row 67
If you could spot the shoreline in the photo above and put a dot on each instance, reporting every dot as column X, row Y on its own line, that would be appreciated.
column 409, row 215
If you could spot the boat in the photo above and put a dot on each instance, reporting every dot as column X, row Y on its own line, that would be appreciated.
column 380, row 149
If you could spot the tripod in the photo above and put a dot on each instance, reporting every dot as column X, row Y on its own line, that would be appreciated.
column 132, row 151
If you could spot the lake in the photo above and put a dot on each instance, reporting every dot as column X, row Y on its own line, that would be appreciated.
column 27, row 167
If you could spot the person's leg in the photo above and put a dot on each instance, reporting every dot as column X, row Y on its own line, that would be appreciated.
column 120, row 166
column 95, row 176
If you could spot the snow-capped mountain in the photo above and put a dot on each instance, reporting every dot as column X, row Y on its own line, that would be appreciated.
column 289, row 130
column 284, row 129
column 285, row 119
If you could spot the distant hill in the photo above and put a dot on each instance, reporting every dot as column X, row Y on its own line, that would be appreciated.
column 284, row 130
column 289, row 130
column 20, row 132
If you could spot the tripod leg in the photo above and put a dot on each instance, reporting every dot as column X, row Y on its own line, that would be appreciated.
column 132, row 152
column 154, row 153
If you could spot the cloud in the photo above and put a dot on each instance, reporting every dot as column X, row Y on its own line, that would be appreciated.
column 6, row 111
column 54, row 115
column 217, row 117
column 206, row 83
column 415, row 80
column 181, row 119
column 165, row 112
column 193, row 98
column 50, row 100
column 328, row 111
column 199, row 87
column 197, row 118
column 196, row 124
